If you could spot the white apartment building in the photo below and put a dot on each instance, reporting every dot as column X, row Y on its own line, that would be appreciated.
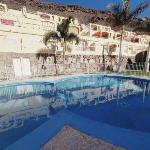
column 21, row 33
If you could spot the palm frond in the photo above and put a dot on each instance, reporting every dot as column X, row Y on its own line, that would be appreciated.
column 63, row 28
column 116, row 17
column 51, row 35
column 126, row 8
column 70, row 18
column 115, row 8
column 42, row 53
column 144, row 27
column 139, row 9
column 122, row 13
column 72, row 37
column 140, row 30
column 126, row 1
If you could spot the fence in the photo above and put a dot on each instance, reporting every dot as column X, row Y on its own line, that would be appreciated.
column 137, row 69
column 38, row 70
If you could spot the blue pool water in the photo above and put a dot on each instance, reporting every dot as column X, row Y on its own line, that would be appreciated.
column 117, row 101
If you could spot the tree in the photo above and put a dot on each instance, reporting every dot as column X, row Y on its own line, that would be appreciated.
column 122, row 15
column 62, row 35
column 144, row 28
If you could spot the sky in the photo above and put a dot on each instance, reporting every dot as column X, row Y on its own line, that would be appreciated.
column 99, row 4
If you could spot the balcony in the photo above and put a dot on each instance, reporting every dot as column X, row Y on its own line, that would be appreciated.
column 135, row 40
column 104, row 35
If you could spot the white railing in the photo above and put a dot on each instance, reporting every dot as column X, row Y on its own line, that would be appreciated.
column 138, row 69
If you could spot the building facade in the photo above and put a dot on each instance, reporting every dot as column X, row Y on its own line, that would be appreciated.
column 21, row 38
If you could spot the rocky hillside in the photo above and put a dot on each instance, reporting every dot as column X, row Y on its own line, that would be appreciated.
column 84, row 15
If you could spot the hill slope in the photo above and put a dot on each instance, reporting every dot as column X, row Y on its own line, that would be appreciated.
column 84, row 15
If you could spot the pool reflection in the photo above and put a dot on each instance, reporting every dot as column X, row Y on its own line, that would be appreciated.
column 25, row 106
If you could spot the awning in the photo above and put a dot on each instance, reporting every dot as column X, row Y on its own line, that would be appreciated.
column 97, row 34
column 112, row 46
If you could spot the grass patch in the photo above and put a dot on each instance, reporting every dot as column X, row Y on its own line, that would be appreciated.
column 136, row 73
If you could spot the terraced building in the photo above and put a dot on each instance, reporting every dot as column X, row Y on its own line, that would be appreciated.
column 21, row 38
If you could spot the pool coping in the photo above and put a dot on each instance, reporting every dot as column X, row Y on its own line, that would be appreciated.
column 130, row 139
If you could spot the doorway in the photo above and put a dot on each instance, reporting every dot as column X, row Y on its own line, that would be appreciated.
column 22, row 67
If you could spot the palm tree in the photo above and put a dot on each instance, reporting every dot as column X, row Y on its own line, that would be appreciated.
column 122, row 15
column 144, row 28
column 62, row 35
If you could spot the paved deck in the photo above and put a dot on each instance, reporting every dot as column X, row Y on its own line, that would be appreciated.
column 71, row 139
column 54, row 78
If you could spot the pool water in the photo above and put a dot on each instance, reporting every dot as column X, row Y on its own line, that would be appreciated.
column 117, row 101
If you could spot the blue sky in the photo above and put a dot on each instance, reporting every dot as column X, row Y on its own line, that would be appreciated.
column 97, row 4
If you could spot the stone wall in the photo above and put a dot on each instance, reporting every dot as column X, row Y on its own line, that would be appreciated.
column 73, row 64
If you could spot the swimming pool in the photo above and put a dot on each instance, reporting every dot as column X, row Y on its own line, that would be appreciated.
column 120, row 102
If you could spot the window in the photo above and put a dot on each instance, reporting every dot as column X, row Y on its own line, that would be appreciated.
column 105, row 35
column 118, row 35
column 47, row 25
column 135, row 40
column 44, row 16
column 53, row 18
column 94, row 27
